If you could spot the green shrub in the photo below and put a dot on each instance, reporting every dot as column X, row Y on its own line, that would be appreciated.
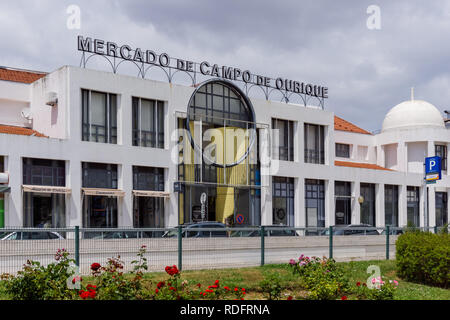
column 271, row 286
column 37, row 282
column 424, row 257
column 323, row 278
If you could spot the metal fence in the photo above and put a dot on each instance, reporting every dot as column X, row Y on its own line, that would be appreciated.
column 195, row 248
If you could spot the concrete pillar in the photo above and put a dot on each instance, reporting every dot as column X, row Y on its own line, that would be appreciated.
column 299, row 143
column 329, row 146
column 381, row 156
column 402, row 205
column 402, row 156
column 448, row 160
column 431, row 206
column 125, row 204
column 356, row 207
column 422, row 193
column 299, row 203
column 329, row 203
column 379, row 205
column 14, row 215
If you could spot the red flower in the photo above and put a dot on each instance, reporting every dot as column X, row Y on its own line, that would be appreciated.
column 209, row 291
column 358, row 284
column 156, row 290
column 226, row 288
column 160, row 284
column 236, row 289
column 216, row 282
column 199, row 285
column 84, row 294
column 172, row 288
column 344, row 298
column 91, row 287
column 92, row 294
column 243, row 289
column 95, row 266
column 173, row 270
column 289, row 298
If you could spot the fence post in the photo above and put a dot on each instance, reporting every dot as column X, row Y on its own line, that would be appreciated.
column 262, row 232
column 77, row 246
column 331, row 242
column 180, row 248
column 435, row 229
column 387, row 242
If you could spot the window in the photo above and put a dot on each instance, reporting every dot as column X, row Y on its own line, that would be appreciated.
column 343, row 203
column 99, row 175
column 367, row 191
column 43, row 172
column 391, row 205
column 314, row 143
column 148, row 178
column 413, row 213
column 148, row 123
column 285, row 143
column 441, row 208
column 283, row 201
column 2, row 164
column 315, row 203
column 342, row 150
column 441, row 151
column 99, row 116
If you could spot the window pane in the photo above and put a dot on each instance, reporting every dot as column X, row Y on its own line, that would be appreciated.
column 98, row 108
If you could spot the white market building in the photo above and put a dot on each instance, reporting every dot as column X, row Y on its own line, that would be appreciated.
column 95, row 149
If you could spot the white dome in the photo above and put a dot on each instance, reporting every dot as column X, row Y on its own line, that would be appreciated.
column 413, row 113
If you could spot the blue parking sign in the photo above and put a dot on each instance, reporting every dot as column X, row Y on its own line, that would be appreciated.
column 433, row 165
column 432, row 169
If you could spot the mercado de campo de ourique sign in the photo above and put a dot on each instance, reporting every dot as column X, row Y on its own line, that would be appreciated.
column 141, row 58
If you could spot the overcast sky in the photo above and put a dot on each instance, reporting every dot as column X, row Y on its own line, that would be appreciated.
column 322, row 42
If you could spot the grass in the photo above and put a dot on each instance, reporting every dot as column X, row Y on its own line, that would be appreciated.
column 249, row 278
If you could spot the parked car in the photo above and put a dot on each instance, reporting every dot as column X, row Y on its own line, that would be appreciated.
column 353, row 230
column 393, row 232
column 269, row 231
column 122, row 234
column 188, row 231
column 32, row 235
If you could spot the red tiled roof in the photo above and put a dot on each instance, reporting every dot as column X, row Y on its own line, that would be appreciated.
column 20, row 75
column 344, row 125
column 359, row 165
column 20, row 131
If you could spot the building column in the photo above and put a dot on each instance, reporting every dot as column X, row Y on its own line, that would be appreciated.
column 329, row 203
column 356, row 207
column 381, row 156
column 431, row 206
column 402, row 206
column 448, row 159
column 379, row 205
column 422, row 192
column 402, row 156
column 125, row 204
column 299, row 203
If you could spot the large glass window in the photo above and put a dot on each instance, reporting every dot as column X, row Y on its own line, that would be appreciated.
column 44, row 172
column 148, row 123
column 285, row 142
column 283, row 201
column 367, row 191
column 391, row 205
column 2, row 164
column 315, row 203
column 314, row 143
column 44, row 209
column 342, row 191
column 99, row 116
column 342, row 150
column 441, row 209
column 99, row 175
column 441, row 151
column 413, row 212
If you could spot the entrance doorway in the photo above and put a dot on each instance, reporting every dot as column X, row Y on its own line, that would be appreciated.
column 343, row 203
column 44, row 210
column 100, row 212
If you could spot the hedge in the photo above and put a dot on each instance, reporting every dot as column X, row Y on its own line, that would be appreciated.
column 424, row 257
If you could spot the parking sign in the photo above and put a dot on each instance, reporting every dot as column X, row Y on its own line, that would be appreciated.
column 432, row 168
